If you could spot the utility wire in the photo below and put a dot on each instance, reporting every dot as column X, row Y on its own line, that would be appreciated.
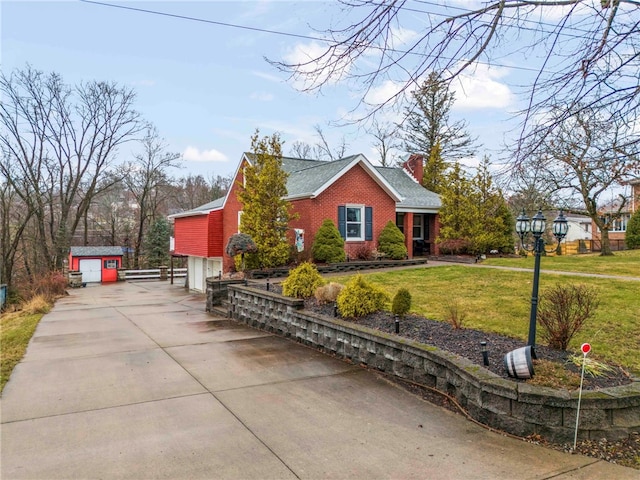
column 277, row 32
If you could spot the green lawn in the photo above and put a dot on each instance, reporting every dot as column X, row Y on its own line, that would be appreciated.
column 15, row 332
column 499, row 301
column 625, row 263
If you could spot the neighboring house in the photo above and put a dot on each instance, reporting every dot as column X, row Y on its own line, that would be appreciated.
column 359, row 197
column 580, row 228
column 97, row 264
column 618, row 228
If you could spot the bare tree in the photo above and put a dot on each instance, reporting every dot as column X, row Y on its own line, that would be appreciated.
column 147, row 180
column 586, row 155
column 59, row 142
column 385, row 141
column 301, row 149
column 322, row 150
column 588, row 52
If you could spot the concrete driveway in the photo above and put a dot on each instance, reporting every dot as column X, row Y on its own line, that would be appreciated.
column 136, row 380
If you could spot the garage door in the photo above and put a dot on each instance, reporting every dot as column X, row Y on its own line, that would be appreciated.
column 91, row 270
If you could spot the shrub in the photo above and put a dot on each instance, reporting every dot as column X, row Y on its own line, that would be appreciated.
column 456, row 313
column 328, row 245
column 50, row 286
column 361, row 252
column 401, row 302
column 632, row 237
column 563, row 310
column 238, row 245
column 455, row 246
column 359, row 298
column 302, row 281
column 391, row 242
column 328, row 293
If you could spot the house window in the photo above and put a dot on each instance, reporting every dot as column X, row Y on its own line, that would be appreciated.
column 110, row 264
column 418, row 227
column 620, row 224
column 355, row 222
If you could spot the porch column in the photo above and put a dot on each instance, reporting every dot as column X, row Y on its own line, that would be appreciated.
column 435, row 224
column 408, row 233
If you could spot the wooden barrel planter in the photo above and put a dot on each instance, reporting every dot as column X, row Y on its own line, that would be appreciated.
column 519, row 363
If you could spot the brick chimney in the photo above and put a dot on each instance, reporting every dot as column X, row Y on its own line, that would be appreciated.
column 415, row 167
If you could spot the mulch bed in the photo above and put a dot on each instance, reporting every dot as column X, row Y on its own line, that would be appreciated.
column 466, row 343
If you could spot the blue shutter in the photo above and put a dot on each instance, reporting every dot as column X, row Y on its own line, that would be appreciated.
column 342, row 221
column 368, row 223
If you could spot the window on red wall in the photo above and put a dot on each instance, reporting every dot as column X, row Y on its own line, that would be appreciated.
column 110, row 264
column 355, row 222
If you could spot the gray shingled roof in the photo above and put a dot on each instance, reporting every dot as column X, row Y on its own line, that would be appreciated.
column 307, row 177
column 202, row 209
column 105, row 251
column 414, row 195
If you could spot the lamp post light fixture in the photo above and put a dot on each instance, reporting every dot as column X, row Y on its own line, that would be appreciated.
column 536, row 227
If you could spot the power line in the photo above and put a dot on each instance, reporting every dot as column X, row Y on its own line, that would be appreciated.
column 278, row 32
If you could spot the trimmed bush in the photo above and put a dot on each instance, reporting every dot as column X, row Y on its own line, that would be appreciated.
column 401, row 302
column 328, row 293
column 391, row 242
column 359, row 298
column 328, row 245
column 302, row 281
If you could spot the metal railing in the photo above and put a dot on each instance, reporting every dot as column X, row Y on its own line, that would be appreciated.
column 153, row 273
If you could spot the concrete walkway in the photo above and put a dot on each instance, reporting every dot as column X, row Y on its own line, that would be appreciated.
column 135, row 380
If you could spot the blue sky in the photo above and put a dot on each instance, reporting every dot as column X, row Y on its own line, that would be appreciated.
column 207, row 87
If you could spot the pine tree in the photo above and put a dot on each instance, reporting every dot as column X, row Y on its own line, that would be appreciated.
column 265, row 213
column 157, row 243
column 428, row 131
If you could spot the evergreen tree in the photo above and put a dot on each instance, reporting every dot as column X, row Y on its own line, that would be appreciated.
column 458, row 211
column 494, row 227
column 328, row 244
column 632, row 237
column 265, row 213
column 391, row 242
column 157, row 243
column 427, row 129
column 474, row 216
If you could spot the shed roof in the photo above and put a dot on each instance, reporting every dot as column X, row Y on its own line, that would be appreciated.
column 104, row 251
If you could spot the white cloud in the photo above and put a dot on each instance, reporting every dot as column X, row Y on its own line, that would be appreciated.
column 383, row 92
column 262, row 96
column 480, row 89
column 267, row 76
column 192, row 154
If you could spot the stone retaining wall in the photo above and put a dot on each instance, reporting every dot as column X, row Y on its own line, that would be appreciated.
column 510, row 406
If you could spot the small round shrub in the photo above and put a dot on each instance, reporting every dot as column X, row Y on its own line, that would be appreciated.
column 401, row 302
column 359, row 298
column 302, row 281
column 328, row 293
column 391, row 242
column 328, row 245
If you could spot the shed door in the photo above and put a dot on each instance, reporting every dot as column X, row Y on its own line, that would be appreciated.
column 91, row 270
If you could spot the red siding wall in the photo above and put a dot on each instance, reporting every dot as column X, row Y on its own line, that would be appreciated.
column 191, row 235
column 215, row 242
column 355, row 187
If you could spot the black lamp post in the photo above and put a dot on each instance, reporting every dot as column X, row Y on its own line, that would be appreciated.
column 536, row 227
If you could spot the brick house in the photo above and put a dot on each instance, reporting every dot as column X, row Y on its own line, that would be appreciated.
column 358, row 197
column 618, row 229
